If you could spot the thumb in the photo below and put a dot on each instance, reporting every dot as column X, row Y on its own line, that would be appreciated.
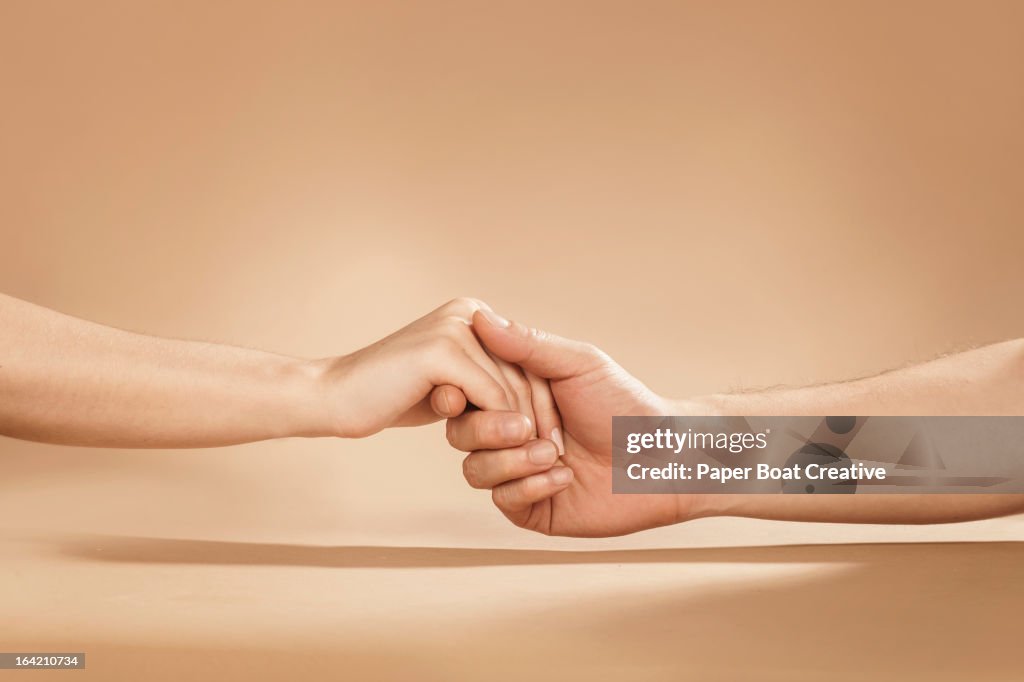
column 448, row 401
column 536, row 351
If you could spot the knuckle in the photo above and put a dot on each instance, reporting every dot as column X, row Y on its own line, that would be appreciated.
column 536, row 338
column 451, row 432
column 443, row 346
column 537, row 335
column 501, row 497
column 456, row 327
column 462, row 305
column 450, row 305
column 591, row 350
column 471, row 471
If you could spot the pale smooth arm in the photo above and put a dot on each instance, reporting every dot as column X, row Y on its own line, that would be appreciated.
column 66, row 380
column 69, row 381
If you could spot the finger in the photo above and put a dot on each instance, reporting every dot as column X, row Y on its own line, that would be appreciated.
column 514, row 380
column 544, row 354
column 522, row 390
column 519, row 495
column 545, row 411
column 468, row 342
column 485, row 469
column 458, row 369
column 489, row 430
column 455, row 319
column 447, row 401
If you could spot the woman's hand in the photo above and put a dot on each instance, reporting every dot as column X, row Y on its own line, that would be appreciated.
column 66, row 380
column 422, row 373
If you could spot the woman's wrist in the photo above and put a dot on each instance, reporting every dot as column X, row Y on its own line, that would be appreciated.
column 304, row 386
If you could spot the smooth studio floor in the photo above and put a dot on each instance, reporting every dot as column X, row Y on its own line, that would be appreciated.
column 158, row 572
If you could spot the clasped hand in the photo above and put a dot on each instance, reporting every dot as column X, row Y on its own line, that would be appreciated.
column 541, row 438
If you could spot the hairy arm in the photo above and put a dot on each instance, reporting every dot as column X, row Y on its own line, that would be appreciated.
column 983, row 381
column 588, row 389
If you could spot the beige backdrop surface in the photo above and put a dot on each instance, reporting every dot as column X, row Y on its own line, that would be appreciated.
column 720, row 195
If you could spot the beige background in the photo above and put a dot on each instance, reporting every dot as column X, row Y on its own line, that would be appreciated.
column 721, row 195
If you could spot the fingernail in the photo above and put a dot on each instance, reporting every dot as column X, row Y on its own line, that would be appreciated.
column 446, row 404
column 560, row 475
column 512, row 429
column 543, row 452
column 494, row 318
column 556, row 435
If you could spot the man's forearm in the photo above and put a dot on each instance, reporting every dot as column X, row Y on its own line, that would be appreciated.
column 65, row 380
column 984, row 381
column 895, row 508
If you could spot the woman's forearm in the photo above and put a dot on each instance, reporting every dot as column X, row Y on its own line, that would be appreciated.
column 984, row 381
column 65, row 380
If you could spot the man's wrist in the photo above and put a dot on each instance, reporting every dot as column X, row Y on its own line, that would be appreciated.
column 701, row 406
column 689, row 507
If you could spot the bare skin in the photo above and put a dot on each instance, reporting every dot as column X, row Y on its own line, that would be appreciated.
column 69, row 381
column 65, row 380
column 588, row 388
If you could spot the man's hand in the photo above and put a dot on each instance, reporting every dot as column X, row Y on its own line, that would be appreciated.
column 573, row 496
